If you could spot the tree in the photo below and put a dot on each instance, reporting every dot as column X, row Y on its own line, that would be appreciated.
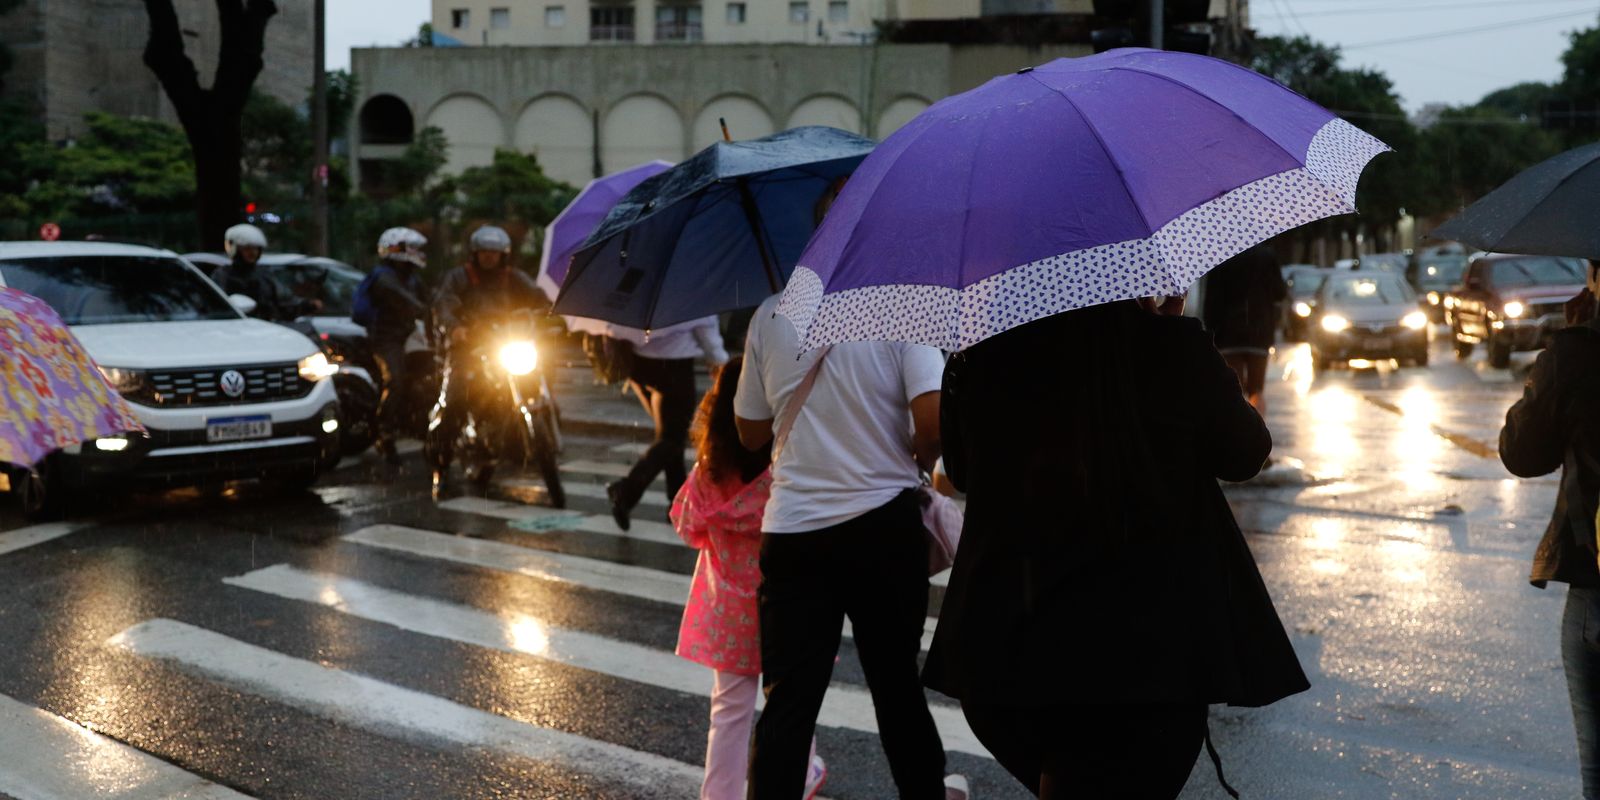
column 514, row 187
column 211, row 117
column 118, row 166
column 1522, row 101
column 1470, row 151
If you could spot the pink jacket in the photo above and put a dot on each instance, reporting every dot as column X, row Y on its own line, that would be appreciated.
column 723, row 521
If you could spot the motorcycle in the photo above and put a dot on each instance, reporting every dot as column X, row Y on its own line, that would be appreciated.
column 511, row 414
column 354, row 380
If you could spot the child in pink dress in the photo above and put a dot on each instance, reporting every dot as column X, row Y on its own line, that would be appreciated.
column 718, row 512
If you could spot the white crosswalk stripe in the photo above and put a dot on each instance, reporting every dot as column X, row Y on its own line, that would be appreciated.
column 843, row 707
column 21, row 538
column 47, row 757
column 384, row 708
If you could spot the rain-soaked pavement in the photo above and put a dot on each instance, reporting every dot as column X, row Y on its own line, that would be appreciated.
column 360, row 641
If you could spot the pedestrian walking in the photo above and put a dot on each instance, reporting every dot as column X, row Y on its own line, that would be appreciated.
column 1554, row 426
column 1242, row 310
column 842, row 536
column 663, row 376
column 389, row 303
column 718, row 512
column 1103, row 594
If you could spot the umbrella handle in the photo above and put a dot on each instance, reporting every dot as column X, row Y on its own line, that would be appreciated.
column 723, row 121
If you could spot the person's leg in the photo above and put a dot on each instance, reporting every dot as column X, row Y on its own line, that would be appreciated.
column 391, row 360
column 678, row 404
column 1255, row 381
column 733, row 712
column 801, row 622
column 649, row 380
column 1008, row 734
column 887, row 602
column 448, row 417
column 1580, row 654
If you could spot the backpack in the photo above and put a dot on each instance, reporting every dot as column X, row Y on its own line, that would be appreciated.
column 363, row 310
column 611, row 358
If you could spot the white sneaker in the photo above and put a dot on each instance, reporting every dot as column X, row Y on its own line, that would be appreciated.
column 955, row 788
column 815, row 777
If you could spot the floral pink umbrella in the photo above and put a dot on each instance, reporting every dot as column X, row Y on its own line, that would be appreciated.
column 51, row 393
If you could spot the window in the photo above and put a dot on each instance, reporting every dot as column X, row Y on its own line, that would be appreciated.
column 460, row 18
column 555, row 16
column 678, row 24
column 736, row 13
column 105, row 290
column 838, row 11
column 499, row 17
column 1519, row 273
column 799, row 11
column 611, row 23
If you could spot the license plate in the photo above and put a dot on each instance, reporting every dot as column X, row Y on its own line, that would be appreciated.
column 233, row 429
column 1377, row 343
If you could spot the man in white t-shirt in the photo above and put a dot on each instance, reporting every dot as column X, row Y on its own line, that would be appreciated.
column 842, row 536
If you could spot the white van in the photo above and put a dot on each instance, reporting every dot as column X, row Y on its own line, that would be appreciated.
column 223, row 396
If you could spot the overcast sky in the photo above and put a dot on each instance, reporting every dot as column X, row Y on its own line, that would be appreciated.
column 1419, row 43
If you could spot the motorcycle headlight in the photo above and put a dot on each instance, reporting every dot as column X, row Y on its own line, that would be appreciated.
column 1433, row 298
column 1302, row 309
column 316, row 366
column 124, row 381
column 519, row 358
column 1515, row 309
column 1333, row 323
column 1416, row 320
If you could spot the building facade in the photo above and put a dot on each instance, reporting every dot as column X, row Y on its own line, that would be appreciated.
column 71, row 57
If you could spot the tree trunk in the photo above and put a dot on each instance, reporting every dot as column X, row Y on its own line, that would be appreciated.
column 211, row 117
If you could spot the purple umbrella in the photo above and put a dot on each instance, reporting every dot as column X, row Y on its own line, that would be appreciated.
column 567, row 232
column 1084, row 181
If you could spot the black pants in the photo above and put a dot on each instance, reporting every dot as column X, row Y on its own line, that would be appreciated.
column 1135, row 751
column 667, row 387
column 392, row 411
column 874, row 570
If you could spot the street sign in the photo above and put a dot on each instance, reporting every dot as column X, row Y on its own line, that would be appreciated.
column 49, row 232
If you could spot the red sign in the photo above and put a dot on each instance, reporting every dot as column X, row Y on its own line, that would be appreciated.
column 49, row 232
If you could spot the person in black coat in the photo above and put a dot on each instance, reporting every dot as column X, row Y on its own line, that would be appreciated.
column 1556, row 425
column 1242, row 311
column 1102, row 593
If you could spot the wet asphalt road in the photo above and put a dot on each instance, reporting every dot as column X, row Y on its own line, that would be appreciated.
column 360, row 641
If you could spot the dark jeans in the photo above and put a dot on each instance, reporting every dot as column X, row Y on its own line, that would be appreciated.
column 391, row 357
column 874, row 570
column 667, row 387
column 1094, row 750
column 1580, row 653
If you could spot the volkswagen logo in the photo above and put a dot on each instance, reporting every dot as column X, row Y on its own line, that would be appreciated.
column 232, row 383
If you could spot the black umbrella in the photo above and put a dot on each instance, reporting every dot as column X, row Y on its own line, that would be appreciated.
column 1551, row 208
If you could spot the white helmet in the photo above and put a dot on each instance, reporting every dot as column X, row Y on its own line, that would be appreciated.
column 403, row 244
column 491, row 238
column 243, row 235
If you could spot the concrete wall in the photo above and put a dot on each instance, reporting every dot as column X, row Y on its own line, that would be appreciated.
column 77, row 56
column 649, row 102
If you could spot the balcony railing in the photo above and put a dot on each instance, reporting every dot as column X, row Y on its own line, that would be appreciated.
column 610, row 33
column 679, row 32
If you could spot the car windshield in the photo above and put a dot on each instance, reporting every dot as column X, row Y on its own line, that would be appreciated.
column 333, row 284
column 1383, row 262
column 1305, row 284
column 1441, row 271
column 1514, row 273
column 103, row 290
column 1374, row 290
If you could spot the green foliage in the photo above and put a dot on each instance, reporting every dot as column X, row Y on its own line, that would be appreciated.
column 1524, row 100
column 424, row 37
column 276, row 151
column 1470, row 151
column 514, row 187
column 1580, row 80
column 119, row 166
column 342, row 90
column 411, row 173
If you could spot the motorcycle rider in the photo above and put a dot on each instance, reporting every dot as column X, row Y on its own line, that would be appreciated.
column 244, row 244
column 397, row 300
column 481, row 291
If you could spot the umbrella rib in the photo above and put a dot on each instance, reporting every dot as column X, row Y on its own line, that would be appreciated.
column 1100, row 140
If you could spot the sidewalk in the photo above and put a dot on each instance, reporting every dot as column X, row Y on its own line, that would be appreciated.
column 592, row 408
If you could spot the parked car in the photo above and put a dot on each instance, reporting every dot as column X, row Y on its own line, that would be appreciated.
column 223, row 396
column 1368, row 315
column 1512, row 303
column 1435, row 277
column 1302, row 282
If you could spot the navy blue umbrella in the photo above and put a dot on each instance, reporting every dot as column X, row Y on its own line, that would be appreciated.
column 718, row 232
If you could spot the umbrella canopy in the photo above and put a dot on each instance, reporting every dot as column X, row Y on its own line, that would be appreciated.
column 573, row 226
column 1084, row 181
column 718, row 232
column 51, row 393
column 1547, row 209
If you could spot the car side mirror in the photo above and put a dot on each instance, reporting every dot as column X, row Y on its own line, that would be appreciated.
column 241, row 303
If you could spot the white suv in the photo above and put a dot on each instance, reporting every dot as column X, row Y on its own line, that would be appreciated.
column 223, row 396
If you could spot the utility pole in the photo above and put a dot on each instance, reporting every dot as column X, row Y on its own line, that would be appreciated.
column 319, row 133
column 1158, row 23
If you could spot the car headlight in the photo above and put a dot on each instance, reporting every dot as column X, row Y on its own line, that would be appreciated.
column 1333, row 323
column 1416, row 320
column 519, row 358
column 316, row 366
column 1302, row 310
column 1515, row 309
column 124, row 381
column 1433, row 298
